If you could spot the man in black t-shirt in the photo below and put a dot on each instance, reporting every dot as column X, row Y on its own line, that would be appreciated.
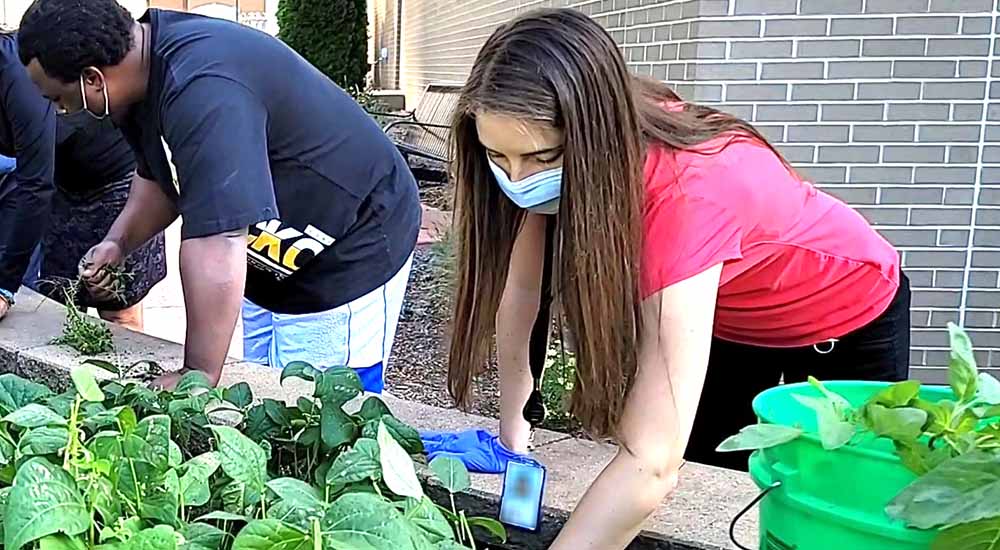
column 282, row 180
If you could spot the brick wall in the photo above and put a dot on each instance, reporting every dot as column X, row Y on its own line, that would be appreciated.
column 892, row 105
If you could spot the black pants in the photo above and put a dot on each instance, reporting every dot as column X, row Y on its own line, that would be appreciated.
column 737, row 373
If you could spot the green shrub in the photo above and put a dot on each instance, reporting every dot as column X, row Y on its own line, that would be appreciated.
column 557, row 385
column 330, row 34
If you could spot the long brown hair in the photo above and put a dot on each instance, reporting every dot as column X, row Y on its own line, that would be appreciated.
column 558, row 67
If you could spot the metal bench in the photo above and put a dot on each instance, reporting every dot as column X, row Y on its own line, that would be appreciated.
column 425, row 132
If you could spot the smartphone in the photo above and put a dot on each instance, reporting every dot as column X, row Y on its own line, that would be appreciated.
column 521, row 499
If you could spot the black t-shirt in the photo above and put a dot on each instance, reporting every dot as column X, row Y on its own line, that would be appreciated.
column 261, row 139
column 27, row 133
column 91, row 154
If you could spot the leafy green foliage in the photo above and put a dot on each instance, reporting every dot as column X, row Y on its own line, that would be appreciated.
column 115, row 466
column 330, row 34
column 952, row 445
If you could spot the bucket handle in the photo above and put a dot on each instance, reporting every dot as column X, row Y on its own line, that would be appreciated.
column 747, row 508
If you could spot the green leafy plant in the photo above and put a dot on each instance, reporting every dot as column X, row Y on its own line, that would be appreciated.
column 330, row 34
column 952, row 445
column 87, row 335
column 117, row 466
column 557, row 385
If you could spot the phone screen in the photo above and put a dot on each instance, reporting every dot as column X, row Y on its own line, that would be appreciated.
column 521, row 502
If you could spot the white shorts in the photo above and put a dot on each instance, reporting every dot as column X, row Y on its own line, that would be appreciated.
column 357, row 335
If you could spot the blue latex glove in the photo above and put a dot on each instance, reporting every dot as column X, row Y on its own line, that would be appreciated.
column 480, row 451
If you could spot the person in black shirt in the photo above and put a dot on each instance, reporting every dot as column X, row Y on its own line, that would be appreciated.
column 287, row 189
column 62, row 194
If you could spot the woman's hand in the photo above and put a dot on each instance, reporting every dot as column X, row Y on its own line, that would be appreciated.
column 94, row 269
column 659, row 413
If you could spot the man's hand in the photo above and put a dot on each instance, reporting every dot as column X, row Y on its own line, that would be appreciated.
column 94, row 272
column 4, row 307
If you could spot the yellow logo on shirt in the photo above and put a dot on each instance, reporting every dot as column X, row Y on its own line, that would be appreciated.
column 277, row 248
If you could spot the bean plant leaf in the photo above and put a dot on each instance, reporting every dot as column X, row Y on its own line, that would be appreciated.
column 299, row 369
column 298, row 493
column 161, row 537
column 757, row 436
column 898, row 395
column 104, row 365
column 920, row 459
column 194, row 487
column 407, row 436
column 373, row 409
column 237, row 497
column 903, row 423
column 86, row 384
column 43, row 501
column 978, row 535
column 989, row 389
column 963, row 489
column 491, row 525
column 397, row 467
column 336, row 428
column 834, row 431
column 337, row 386
column 358, row 463
column 43, row 441
column 161, row 499
column 61, row 542
column 192, row 380
column 240, row 395
column 962, row 373
column 103, row 419
column 277, row 412
column 16, row 392
column 259, row 425
column 202, row 536
column 840, row 404
column 34, row 415
column 62, row 403
column 241, row 458
column 428, row 518
column 155, row 430
column 271, row 534
column 366, row 520
column 452, row 473
column 449, row 545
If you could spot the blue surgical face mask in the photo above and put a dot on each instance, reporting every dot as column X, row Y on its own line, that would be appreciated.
column 538, row 193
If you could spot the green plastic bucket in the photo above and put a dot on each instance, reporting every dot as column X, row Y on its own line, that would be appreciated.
column 830, row 500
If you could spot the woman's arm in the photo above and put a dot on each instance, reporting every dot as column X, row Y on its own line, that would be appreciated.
column 657, row 420
column 515, row 318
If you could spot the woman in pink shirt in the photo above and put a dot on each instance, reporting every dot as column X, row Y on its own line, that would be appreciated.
column 693, row 267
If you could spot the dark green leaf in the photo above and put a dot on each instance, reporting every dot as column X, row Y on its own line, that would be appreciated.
column 7, row 450
column 757, row 436
column 357, row 464
column 336, row 428
column 107, row 446
column 961, row 490
column 298, row 493
column 426, row 515
column 978, row 535
column 240, row 395
column 494, row 527
column 43, row 501
column 259, row 426
column 989, row 389
column 834, row 431
column 241, row 458
column 299, row 369
column 155, row 430
column 919, row 458
column 236, row 497
column 898, row 395
column 201, row 536
column 61, row 542
column 337, row 386
column 43, row 441
column 34, row 415
column 86, row 384
column 271, row 534
column 397, row 467
column 310, row 436
column 366, row 520
column 135, row 477
column 408, row 437
column 192, row 380
column 277, row 412
column 194, row 487
column 16, row 392
column 293, row 515
column 102, row 493
column 104, row 365
column 452, row 473
column 373, row 409
column 904, row 423
column 962, row 373
column 307, row 405
column 62, row 403
column 161, row 537
column 103, row 419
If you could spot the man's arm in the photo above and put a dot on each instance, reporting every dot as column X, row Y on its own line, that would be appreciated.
column 147, row 213
column 213, row 273
column 25, row 198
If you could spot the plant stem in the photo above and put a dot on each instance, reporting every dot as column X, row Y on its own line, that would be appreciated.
column 468, row 530
column 317, row 535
